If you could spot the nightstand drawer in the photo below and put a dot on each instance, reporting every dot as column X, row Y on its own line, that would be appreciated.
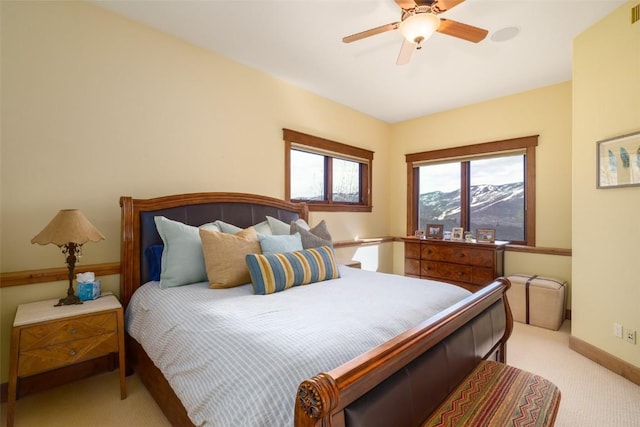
column 40, row 359
column 51, row 333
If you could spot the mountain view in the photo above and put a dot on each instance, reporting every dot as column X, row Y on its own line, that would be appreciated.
column 500, row 207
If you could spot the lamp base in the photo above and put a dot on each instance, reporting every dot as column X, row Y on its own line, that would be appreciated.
column 68, row 300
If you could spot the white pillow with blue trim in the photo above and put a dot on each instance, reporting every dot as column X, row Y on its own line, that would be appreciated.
column 182, row 258
column 261, row 227
column 280, row 243
column 280, row 227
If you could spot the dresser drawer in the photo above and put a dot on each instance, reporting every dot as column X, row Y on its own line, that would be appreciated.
column 412, row 250
column 458, row 254
column 471, row 265
column 62, row 331
column 412, row 267
column 41, row 359
column 446, row 271
column 482, row 276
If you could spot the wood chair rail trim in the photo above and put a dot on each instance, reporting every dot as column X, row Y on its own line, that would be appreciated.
column 55, row 274
column 45, row 275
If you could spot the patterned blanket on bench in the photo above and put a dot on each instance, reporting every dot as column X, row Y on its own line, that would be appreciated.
column 495, row 394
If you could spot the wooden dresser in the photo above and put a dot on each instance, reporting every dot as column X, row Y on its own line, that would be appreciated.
column 470, row 265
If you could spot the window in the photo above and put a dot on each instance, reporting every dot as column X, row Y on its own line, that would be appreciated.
column 328, row 175
column 488, row 185
column 439, row 196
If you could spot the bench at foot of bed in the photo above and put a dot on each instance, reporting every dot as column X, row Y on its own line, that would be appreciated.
column 495, row 394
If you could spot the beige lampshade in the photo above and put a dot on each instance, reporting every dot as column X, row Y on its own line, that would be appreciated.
column 69, row 225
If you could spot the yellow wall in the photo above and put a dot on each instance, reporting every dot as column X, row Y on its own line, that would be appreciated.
column 606, row 225
column 95, row 106
column 545, row 112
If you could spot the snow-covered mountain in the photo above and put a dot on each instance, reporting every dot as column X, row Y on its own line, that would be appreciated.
column 500, row 207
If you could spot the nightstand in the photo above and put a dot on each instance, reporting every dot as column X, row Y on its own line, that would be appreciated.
column 45, row 337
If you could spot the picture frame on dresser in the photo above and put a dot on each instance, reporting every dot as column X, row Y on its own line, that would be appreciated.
column 434, row 231
column 485, row 235
column 457, row 233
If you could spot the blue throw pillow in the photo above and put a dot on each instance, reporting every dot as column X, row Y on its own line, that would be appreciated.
column 153, row 255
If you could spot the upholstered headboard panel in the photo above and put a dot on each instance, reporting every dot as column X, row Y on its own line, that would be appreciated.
column 239, row 214
column 139, row 228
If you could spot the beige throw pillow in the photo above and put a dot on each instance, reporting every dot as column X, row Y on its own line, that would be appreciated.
column 224, row 256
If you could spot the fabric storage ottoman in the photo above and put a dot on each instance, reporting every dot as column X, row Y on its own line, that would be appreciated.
column 537, row 300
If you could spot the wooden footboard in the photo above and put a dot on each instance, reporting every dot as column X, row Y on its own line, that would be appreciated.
column 404, row 380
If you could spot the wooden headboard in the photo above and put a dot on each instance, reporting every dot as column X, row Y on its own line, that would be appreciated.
column 139, row 228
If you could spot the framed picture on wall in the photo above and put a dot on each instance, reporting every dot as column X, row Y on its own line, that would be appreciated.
column 434, row 231
column 618, row 161
column 485, row 235
column 457, row 233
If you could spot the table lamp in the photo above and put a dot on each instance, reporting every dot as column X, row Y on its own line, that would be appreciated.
column 69, row 230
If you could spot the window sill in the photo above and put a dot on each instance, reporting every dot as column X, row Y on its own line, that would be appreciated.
column 336, row 207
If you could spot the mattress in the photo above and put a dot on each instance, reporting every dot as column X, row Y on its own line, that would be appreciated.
column 236, row 359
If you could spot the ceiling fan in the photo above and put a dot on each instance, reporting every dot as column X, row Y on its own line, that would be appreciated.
column 418, row 21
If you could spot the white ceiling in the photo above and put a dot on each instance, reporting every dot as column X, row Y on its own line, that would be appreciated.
column 300, row 41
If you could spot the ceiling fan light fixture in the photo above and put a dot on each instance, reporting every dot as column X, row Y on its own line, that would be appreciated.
column 419, row 27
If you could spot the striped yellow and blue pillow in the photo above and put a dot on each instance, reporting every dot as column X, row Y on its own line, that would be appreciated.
column 279, row 271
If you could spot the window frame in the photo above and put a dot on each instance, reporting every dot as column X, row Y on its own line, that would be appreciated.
column 329, row 149
column 469, row 152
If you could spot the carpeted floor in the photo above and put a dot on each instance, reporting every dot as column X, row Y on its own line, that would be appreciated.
column 591, row 394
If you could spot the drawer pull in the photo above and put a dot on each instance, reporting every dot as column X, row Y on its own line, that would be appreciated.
column 73, row 331
column 72, row 352
column 460, row 273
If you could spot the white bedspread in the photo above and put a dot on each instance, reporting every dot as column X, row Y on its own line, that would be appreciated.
column 236, row 359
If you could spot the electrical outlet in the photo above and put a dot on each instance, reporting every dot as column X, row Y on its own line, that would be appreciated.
column 617, row 330
column 630, row 336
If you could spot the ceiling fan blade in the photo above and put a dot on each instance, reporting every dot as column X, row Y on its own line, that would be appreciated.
column 406, row 4
column 443, row 5
column 406, row 50
column 461, row 31
column 370, row 32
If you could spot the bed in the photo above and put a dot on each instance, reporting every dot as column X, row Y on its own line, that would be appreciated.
column 327, row 366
